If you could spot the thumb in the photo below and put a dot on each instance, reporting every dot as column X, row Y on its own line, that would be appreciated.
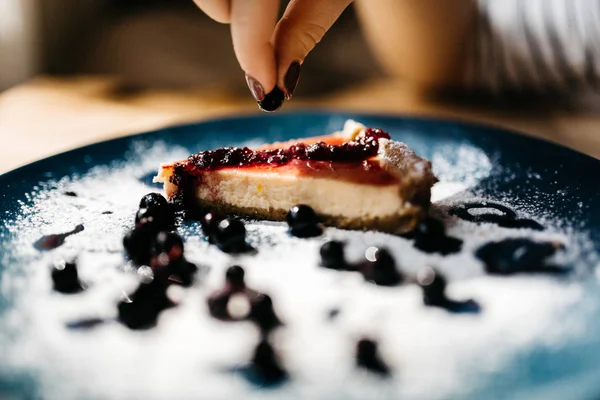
column 302, row 26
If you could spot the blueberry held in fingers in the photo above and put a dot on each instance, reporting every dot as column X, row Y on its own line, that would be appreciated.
column 272, row 100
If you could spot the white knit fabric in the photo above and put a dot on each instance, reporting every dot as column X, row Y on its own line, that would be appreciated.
column 536, row 44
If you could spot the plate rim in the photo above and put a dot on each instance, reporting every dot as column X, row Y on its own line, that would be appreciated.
column 309, row 113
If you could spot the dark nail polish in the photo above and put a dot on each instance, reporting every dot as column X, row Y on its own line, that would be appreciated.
column 273, row 100
column 255, row 88
column 291, row 79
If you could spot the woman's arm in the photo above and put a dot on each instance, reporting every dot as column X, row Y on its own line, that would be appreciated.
column 422, row 41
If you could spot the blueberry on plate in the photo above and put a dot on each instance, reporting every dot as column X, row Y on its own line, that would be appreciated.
column 367, row 356
column 380, row 267
column 303, row 221
column 230, row 236
column 332, row 255
column 153, row 200
column 65, row 277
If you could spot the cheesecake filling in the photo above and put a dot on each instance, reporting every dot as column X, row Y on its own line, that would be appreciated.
column 358, row 178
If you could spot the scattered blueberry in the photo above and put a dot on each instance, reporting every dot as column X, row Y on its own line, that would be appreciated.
column 430, row 237
column 266, row 366
column 65, row 277
column 234, row 276
column 51, row 242
column 138, row 243
column 380, row 267
column 146, row 303
column 160, row 218
column 303, row 221
column 182, row 271
column 367, row 356
column 230, row 236
column 219, row 300
column 210, row 223
column 332, row 255
column 153, row 200
column 169, row 244
column 519, row 255
column 434, row 293
column 70, row 194
column 263, row 314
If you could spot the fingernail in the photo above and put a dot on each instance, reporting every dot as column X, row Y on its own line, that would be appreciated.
column 273, row 100
column 255, row 88
column 291, row 79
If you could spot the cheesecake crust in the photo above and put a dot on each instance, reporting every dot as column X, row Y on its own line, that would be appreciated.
column 400, row 223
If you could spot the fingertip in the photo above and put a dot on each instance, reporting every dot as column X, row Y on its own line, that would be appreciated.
column 218, row 10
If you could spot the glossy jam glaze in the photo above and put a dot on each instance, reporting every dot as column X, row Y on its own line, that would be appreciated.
column 352, row 159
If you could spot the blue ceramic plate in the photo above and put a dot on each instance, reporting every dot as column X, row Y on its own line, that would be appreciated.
column 99, row 186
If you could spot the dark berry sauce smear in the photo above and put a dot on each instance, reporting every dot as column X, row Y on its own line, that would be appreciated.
column 513, row 256
column 364, row 147
column 51, row 242
column 504, row 217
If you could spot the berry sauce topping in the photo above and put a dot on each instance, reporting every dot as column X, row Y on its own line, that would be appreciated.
column 430, row 237
column 380, row 267
column 364, row 147
column 496, row 214
column 65, row 278
column 434, row 293
column 520, row 255
column 303, row 221
column 367, row 356
column 51, row 242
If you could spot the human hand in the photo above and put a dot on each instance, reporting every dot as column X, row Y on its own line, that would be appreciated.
column 271, row 51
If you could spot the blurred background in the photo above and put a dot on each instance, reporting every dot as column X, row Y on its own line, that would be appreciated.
column 73, row 72
column 155, row 44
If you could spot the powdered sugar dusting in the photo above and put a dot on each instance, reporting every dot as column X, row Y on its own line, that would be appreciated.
column 433, row 353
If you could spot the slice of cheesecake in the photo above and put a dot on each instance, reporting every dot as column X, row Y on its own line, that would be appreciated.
column 356, row 179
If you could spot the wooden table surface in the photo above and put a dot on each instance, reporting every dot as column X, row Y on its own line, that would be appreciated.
column 49, row 115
